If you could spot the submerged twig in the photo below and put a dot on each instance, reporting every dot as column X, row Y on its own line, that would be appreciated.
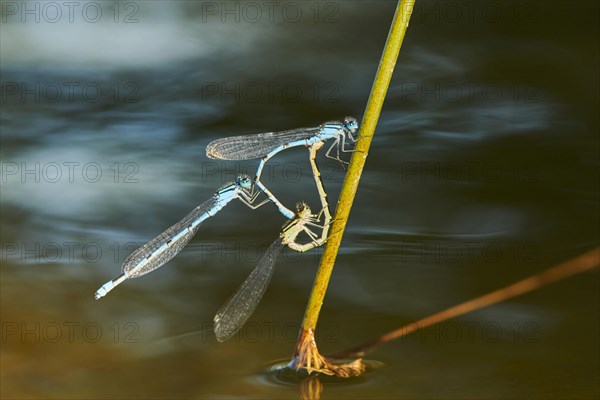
column 307, row 355
column 582, row 263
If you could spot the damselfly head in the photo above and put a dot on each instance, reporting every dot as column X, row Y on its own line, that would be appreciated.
column 351, row 124
column 302, row 209
column 244, row 182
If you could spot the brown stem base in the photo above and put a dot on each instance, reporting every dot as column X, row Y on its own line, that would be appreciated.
column 307, row 357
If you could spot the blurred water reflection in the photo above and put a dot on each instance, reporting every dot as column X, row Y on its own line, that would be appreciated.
column 484, row 170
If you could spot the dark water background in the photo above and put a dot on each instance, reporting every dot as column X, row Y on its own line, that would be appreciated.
column 484, row 170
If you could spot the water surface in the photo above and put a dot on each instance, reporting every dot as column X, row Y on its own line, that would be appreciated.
column 484, row 170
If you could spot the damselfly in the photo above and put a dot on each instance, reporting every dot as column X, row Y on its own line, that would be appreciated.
column 266, row 145
column 168, row 244
column 232, row 316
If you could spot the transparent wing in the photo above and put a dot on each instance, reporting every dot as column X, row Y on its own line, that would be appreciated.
column 248, row 147
column 165, row 246
column 234, row 314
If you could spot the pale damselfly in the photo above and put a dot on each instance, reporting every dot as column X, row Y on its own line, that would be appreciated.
column 236, row 311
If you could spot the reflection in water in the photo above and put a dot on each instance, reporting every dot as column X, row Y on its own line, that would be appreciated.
column 484, row 170
column 311, row 388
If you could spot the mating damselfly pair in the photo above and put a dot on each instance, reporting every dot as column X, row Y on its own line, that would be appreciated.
column 160, row 250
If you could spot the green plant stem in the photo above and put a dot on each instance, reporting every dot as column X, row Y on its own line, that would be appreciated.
column 357, row 162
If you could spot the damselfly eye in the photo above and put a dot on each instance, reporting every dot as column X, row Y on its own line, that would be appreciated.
column 351, row 124
column 244, row 182
column 302, row 208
